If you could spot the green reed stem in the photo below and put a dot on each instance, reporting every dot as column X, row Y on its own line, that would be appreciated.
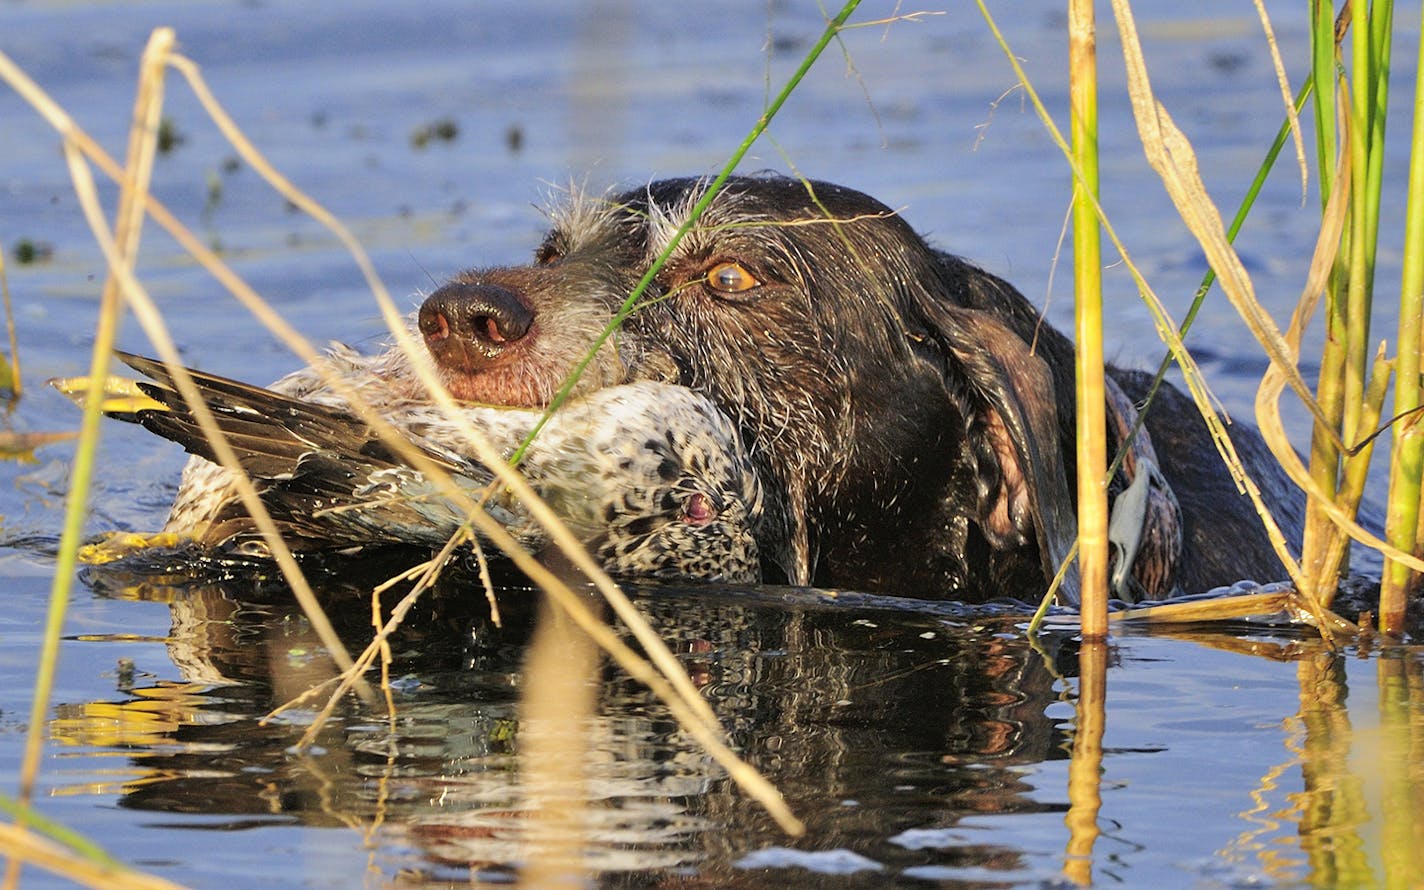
column 1088, row 323
column 833, row 28
column 1370, row 47
column 1364, row 219
column 1330, row 388
column 55, row 831
column 1345, row 360
column 16, row 387
column 1402, row 518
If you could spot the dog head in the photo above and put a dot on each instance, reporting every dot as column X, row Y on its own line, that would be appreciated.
column 887, row 392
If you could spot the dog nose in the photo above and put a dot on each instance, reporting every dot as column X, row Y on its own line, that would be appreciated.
column 466, row 325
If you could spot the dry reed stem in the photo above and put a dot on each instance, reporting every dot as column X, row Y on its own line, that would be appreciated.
column 147, row 103
column 1247, row 605
column 396, row 324
column 1170, row 153
column 22, row 845
column 75, row 140
column 150, row 318
column 1292, row 116
column 424, row 576
column 121, row 253
column 694, row 712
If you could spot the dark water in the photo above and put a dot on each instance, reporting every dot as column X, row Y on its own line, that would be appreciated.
column 921, row 747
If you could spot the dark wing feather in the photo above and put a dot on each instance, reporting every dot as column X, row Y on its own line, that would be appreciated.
column 313, row 466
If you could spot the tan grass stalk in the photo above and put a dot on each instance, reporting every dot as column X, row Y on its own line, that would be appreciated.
column 128, row 224
column 27, row 847
column 1268, row 415
column 151, row 320
column 700, row 721
column 1088, row 325
column 1292, row 117
column 1291, row 603
column 1170, row 154
column 76, row 143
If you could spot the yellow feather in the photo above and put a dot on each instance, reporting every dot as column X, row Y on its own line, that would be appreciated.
column 120, row 394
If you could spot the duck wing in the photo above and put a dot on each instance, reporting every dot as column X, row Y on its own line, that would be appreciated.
column 325, row 475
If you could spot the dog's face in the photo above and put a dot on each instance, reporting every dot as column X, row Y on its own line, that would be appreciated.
column 878, row 384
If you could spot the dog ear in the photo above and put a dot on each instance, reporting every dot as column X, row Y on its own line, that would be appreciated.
column 1024, row 495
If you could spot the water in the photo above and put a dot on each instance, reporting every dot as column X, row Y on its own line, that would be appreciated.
column 921, row 747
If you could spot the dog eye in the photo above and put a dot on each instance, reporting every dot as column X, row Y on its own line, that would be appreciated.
column 731, row 278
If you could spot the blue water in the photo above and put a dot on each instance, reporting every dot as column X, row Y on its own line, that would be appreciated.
column 921, row 748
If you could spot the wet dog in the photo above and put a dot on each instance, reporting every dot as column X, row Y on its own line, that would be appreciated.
column 910, row 415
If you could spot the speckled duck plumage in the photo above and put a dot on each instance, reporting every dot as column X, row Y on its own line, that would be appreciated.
column 652, row 477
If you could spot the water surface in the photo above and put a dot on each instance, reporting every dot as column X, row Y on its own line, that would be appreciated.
column 921, row 746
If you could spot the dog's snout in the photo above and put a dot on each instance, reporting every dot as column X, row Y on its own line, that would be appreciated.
column 467, row 325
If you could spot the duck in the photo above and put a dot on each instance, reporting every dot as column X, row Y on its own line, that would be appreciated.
column 650, row 476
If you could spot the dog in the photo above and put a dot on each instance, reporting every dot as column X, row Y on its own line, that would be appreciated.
column 911, row 416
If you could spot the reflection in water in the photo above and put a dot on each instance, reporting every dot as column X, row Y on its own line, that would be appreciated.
column 892, row 732
column 1332, row 809
column 598, row 87
column 872, row 724
column 1401, row 761
column 1355, row 819
column 1084, row 775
